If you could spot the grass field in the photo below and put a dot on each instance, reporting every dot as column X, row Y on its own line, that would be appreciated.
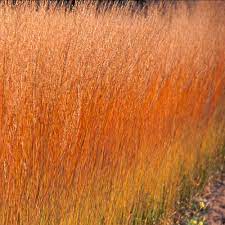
column 109, row 118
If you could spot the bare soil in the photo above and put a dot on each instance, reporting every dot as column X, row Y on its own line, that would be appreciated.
column 215, row 198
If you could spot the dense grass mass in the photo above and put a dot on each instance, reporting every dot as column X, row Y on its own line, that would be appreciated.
column 111, row 118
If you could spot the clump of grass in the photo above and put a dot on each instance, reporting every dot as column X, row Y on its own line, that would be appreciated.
column 98, row 112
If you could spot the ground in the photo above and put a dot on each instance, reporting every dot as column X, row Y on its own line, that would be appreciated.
column 207, row 208
column 215, row 198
